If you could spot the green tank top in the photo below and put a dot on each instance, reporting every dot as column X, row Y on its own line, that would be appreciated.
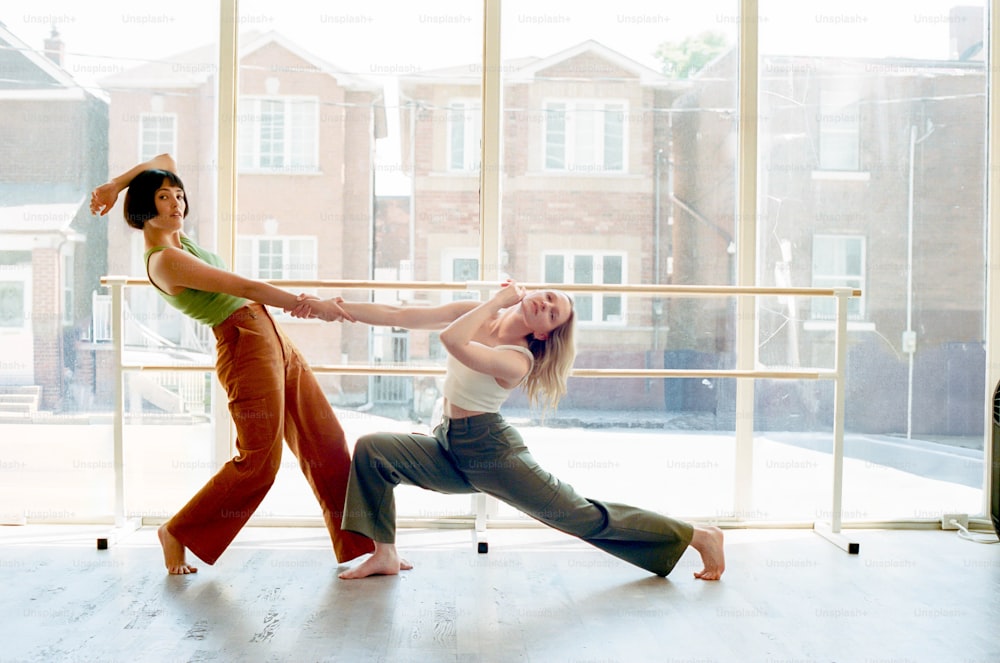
column 210, row 308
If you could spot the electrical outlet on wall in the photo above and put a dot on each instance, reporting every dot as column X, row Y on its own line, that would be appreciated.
column 960, row 518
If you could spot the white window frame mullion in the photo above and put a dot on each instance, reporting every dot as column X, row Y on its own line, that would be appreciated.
column 489, row 172
column 992, row 313
column 226, row 187
column 746, row 252
column 489, row 183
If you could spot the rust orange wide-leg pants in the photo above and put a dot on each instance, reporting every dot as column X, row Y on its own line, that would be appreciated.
column 273, row 396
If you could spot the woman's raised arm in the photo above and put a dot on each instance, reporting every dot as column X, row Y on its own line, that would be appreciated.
column 104, row 197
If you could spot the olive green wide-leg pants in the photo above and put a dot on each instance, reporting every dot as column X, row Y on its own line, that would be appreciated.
column 485, row 454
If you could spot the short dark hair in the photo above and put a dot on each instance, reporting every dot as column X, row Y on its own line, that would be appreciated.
column 140, row 199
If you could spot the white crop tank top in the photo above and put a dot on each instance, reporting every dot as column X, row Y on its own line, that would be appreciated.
column 475, row 391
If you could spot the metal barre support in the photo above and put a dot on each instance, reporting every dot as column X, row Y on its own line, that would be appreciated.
column 831, row 530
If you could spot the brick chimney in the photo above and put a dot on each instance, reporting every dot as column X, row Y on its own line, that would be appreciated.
column 54, row 48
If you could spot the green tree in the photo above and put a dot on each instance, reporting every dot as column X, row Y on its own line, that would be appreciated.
column 685, row 59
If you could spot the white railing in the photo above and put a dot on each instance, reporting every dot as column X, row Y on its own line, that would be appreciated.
column 193, row 336
column 190, row 389
column 831, row 530
column 100, row 318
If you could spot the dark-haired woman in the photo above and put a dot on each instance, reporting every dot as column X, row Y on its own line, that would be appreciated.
column 273, row 395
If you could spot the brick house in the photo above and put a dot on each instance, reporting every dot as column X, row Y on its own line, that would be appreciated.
column 53, row 252
column 580, row 204
column 305, row 188
column 862, row 162
column 581, row 148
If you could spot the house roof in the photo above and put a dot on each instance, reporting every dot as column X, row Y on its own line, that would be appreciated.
column 194, row 67
column 644, row 74
column 54, row 218
column 51, row 211
column 27, row 73
column 38, row 208
column 528, row 69
column 473, row 72
column 182, row 70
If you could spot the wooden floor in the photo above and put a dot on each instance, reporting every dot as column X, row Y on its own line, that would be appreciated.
column 787, row 596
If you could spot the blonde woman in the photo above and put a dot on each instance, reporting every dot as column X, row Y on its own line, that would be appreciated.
column 514, row 339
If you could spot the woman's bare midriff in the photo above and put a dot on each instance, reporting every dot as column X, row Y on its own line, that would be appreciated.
column 455, row 412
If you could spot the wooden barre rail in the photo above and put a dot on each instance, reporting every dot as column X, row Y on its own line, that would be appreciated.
column 641, row 289
column 814, row 374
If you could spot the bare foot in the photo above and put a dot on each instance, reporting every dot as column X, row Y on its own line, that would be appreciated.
column 174, row 553
column 708, row 542
column 385, row 561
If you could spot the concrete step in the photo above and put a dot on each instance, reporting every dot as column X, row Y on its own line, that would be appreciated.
column 20, row 400
column 34, row 390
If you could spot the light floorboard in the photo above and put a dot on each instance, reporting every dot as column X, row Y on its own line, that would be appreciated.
column 787, row 596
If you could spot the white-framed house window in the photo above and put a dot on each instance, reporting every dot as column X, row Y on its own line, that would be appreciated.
column 157, row 135
column 839, row 123
column 12, row 305
column 15, row 290
column 464, row 134
column 459, row 265
column 279, row 134
column 17, row 341
column 66, row 275
column 267, row 257
column 838, row 261
column 597, row 267
column 586, row 136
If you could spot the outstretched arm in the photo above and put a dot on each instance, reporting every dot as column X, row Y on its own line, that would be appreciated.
column 173, row 270
column 103, row 198
column 385, row 315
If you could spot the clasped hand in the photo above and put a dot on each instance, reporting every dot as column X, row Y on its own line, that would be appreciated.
column 509, row 294
column 311, row 306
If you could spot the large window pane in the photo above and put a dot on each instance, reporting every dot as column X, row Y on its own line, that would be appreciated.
column 872, row 176
column 619, row 169
column 359, row 143
column 86, row 93
column 359, row 140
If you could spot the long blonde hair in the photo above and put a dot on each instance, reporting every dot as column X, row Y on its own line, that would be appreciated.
column 546, row 383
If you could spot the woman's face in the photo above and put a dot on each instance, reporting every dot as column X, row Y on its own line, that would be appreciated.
column 545, row 311
column 170, row 206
